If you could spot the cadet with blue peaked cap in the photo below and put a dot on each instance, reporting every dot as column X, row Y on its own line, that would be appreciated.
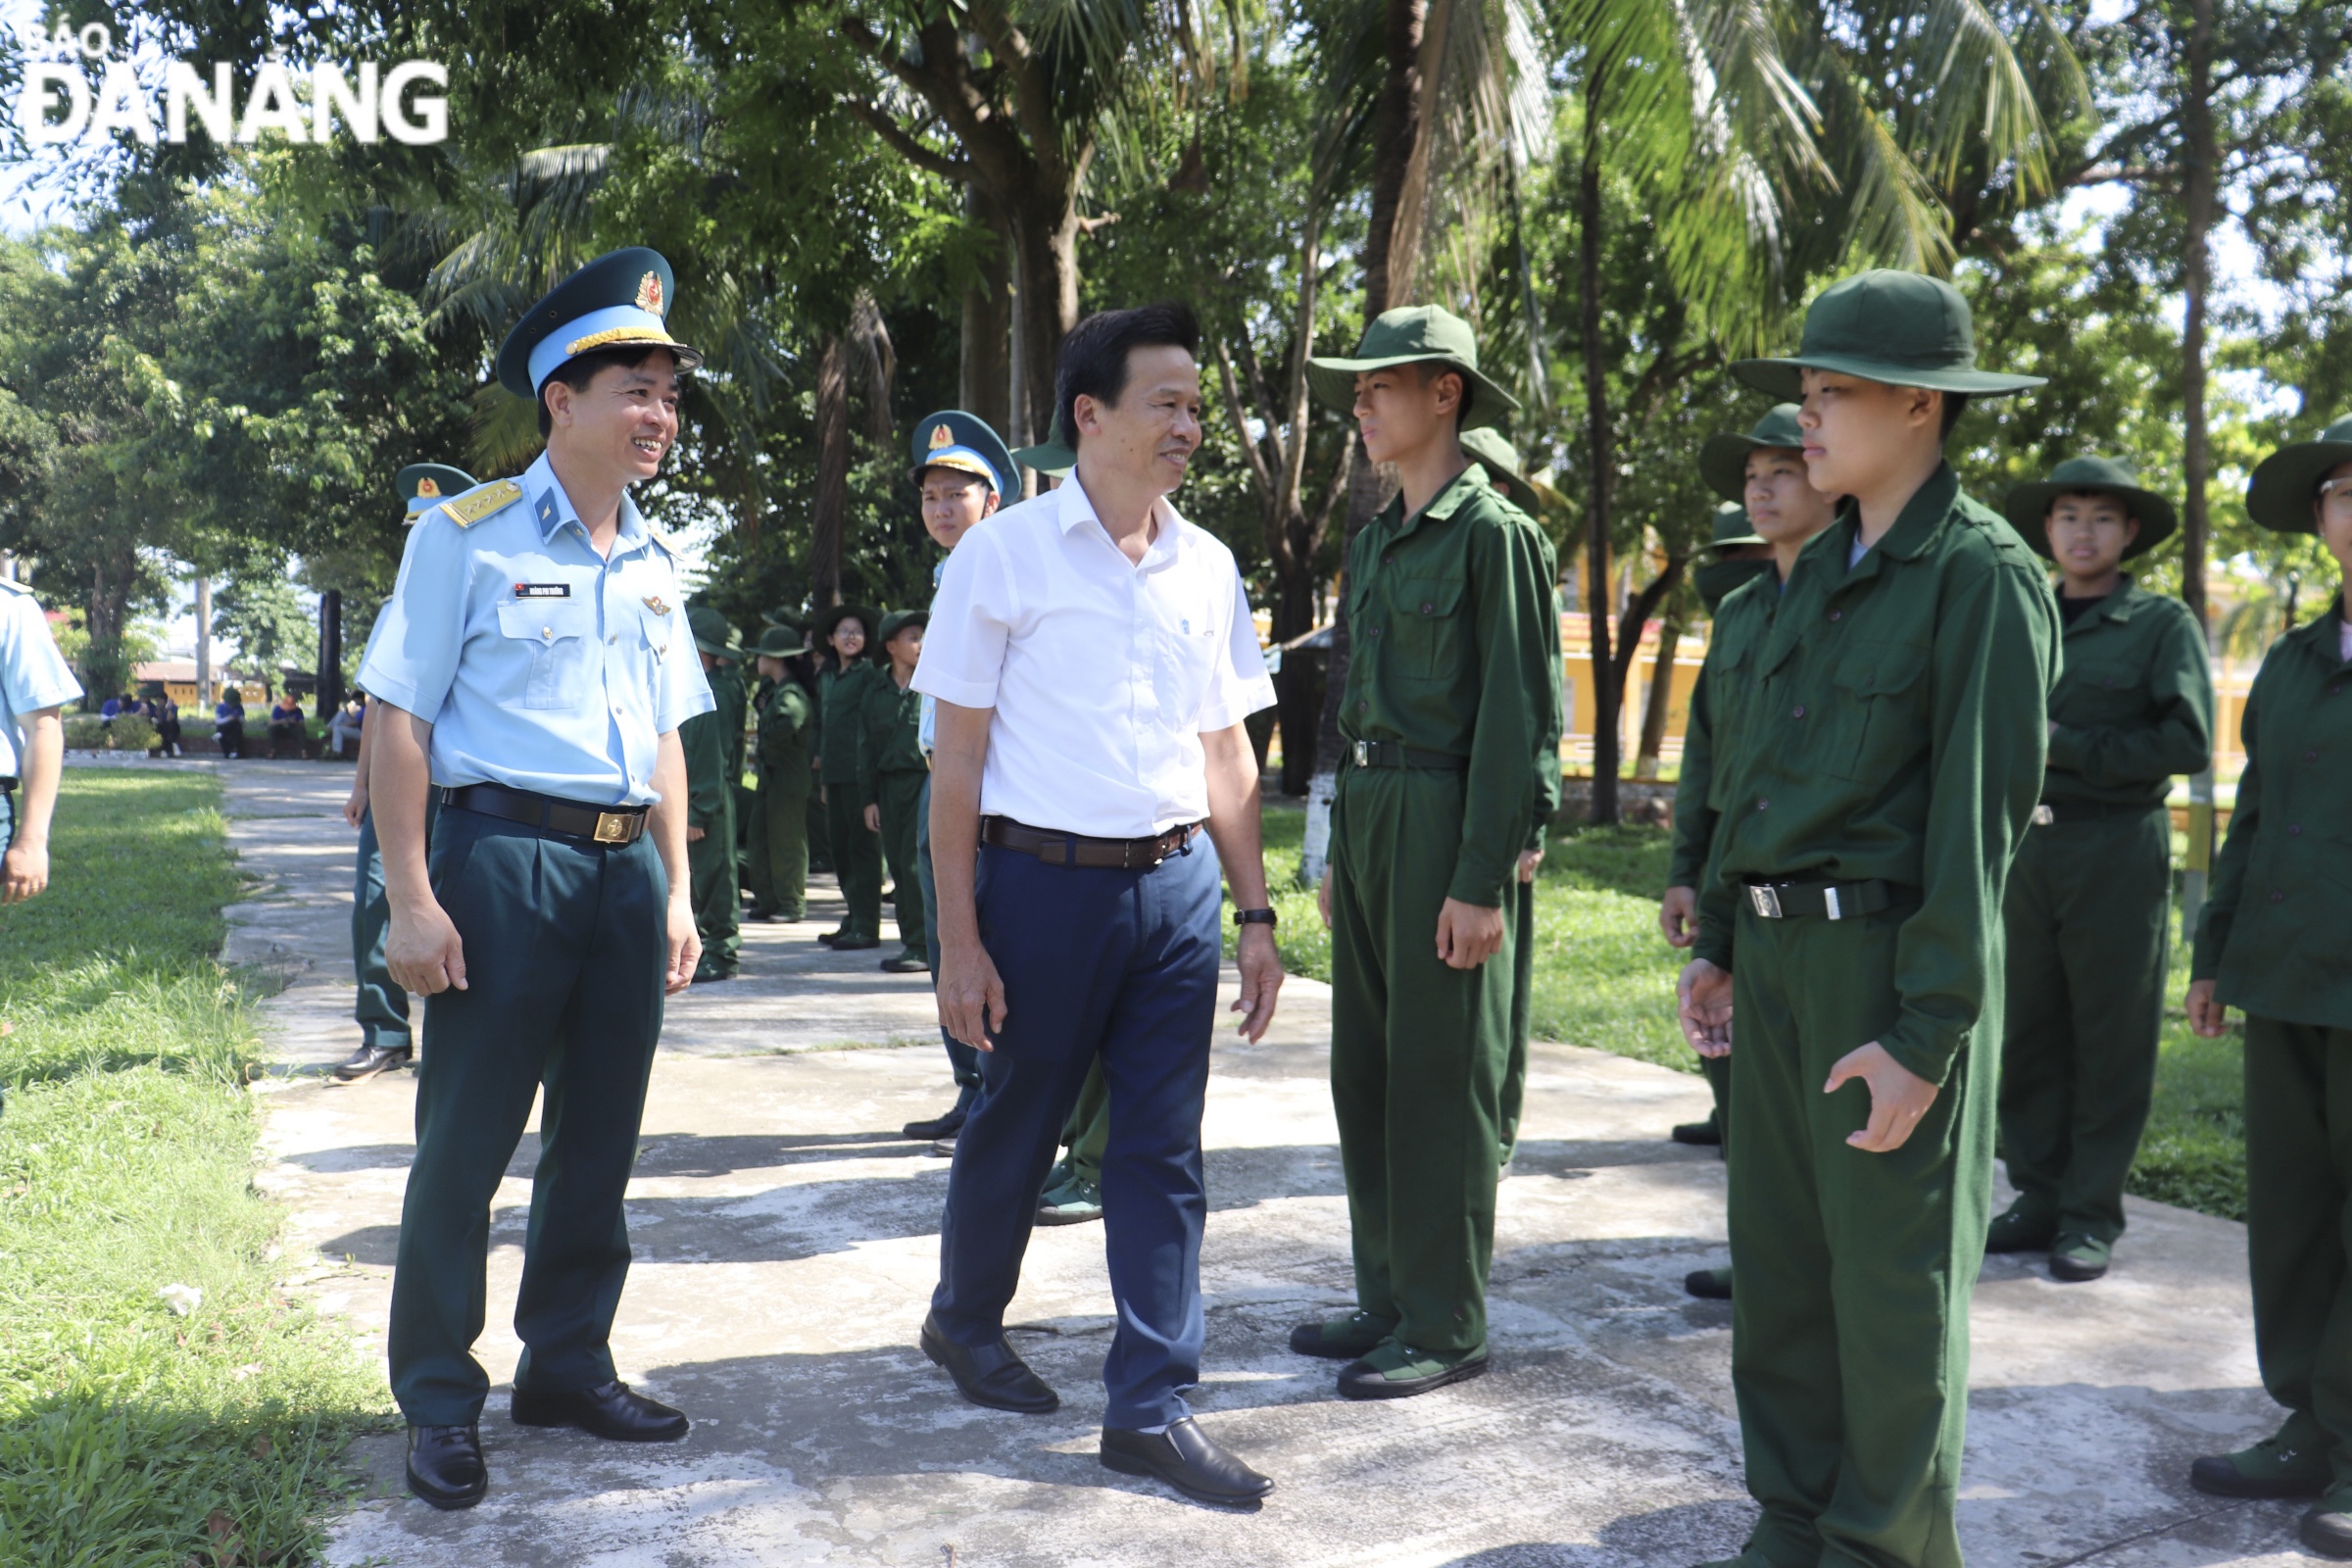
column 537, row 652
column 963, row 442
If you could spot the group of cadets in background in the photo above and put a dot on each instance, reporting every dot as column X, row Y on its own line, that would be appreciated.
column 1921, row 862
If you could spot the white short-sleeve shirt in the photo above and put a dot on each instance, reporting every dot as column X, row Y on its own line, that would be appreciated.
column 1103, row 672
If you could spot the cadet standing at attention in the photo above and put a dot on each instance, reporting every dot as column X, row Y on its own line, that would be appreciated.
column 1442, row 715
column 1766, row 468
column 2272, row 942
column 891, row 775
column 35, row 686
column 535, row 666
column 711, row 799
column 2089, row 905
column 787, row 722
column 1875, row 766
column 840, row 700
column 382, row 1007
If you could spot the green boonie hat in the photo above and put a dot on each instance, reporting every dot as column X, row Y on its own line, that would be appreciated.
column 1414, row 334
column 1487, row 448
column 821, row 631
column 425, row 485
column 1054, row 456
column 711, row 633
column 1734, row 528
column 1900, row 328
column 780, row 642
column 2287, row 481
column 782, row 617
column 2028, row 505
column 898, row 621
column 963, row 442
column 1723, row 461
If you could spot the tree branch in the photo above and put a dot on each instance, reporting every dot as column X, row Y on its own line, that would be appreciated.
column 903, row 143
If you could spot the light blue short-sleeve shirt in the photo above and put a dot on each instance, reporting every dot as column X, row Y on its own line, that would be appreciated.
column 541, row 664
column 33, row 674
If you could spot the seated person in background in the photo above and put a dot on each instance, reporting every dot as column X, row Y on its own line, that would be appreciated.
column 165, row 713
column 286, row 724
column 228, row 722
column 343, row 730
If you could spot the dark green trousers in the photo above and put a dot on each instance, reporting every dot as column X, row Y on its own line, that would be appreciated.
column 900, row 796
column 1717, row 1070
column 758, row 880
column 820, row 830
column 1088, row 1131
column 565, row 950
column 2087, row 913
column 779, row 850
column 1418, row 1053
column 382, row 1007
column 857, row 861
column 1850, row 1347
column 717, row 904
column 2298, row 1180
column 1521, row 913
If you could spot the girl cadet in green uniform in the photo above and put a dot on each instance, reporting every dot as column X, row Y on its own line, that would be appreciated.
column 1878, row 754
column 2273, row 941
column 1766, row 468
column 787, row 725
column 2088, row 908
column 856, row 854
column 890, row 770
column 710, row 802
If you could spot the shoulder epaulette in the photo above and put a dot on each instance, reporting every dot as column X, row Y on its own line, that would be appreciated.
column 478, row 502
column 663, row 540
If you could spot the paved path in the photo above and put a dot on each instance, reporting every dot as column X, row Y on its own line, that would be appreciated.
column 786, row 1241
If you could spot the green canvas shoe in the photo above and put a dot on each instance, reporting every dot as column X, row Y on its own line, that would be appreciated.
column 2075, row 1259
column 1343, row 1338
column 2292, row 1464
column 2327, row 1527
column 1071, row 1201
column 2014, row 1230
column 1394, row 1370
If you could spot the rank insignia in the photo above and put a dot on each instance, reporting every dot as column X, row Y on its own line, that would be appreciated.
column 475, row 505
column 652, row 602
column 649, row 294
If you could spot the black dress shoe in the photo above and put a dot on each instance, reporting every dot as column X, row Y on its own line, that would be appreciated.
column 610, row 1411
column 1698, row 1134
column 993, row 1375
column 370, row 1059
column 943, row 1126
column 828, row 938
column 858, row 943
column 445, row 1465
column 1186, row 1459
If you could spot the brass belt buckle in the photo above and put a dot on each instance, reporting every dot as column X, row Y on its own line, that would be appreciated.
column 2044, row 817
column 611, row 828
column 1363, row 754
column 1767, row 900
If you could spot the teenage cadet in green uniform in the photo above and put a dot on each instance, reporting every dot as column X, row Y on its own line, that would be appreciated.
column 1879, row 750
column 889, row 777
column 2272, row 942
column 781, row 831
column 732, row 693
column 840, row 700
column 535, row 666
column 2089, row 903
column 1442, row 715
column 711, row 803
column 1766, row 468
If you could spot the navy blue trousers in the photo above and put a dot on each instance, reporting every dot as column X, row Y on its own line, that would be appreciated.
column 1120, row 965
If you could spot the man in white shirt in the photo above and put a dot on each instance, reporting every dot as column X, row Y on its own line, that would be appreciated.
column 1093, row 659
column 34, row 687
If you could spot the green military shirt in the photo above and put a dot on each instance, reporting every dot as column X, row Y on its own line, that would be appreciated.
column 839, row 696
column 1740, row 622
column 1890, row 723
column 2135, row 705
column 1445, row 618
column 2273, row 931
column 787, row 726
column 727, row 692
column 703, row 738
column 892, row 729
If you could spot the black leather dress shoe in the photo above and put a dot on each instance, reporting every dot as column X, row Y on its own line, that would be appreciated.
column 992, row 1375
column 944, row 1126
column 1186, row 1459
column 610, row 1411
column 1698, row 1134
column 445, row 1465
column 370, row 1059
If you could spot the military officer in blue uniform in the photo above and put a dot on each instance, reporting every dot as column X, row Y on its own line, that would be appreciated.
column 382, row 1007
column 34, row 684
column 535, row 664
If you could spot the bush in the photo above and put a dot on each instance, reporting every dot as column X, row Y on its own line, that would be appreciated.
column 88, row 732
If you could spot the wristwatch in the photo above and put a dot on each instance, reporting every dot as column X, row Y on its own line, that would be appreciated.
column 1254, row 917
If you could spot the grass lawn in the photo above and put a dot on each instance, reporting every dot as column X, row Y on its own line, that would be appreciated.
column 133, row 1435
column 1604, row 978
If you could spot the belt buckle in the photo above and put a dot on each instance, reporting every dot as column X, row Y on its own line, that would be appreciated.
column 611, row 828
column 1363, row 754
column 2045, row 816
column 1765, row 900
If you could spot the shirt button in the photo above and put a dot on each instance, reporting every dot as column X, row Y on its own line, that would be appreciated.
column 1836, row 615
column 547, row 634
column 2109, row 681
column 1761, row 804
column 2295, row 830
column 1800, row 711
column 615, row 638
column 2278, row 897
column 1373, row 631
column 1361, row 707
column 1427, row 607
column 2338, row 687
column 2311, row 757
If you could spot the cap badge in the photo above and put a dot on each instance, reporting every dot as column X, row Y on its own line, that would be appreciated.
column 427, row 490
column 941, row 437
column 649, row 293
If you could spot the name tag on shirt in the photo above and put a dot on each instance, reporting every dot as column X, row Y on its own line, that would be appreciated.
column 543, row 590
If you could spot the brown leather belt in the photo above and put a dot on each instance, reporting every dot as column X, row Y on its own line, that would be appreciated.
column 1074, row 849
column 598, row 824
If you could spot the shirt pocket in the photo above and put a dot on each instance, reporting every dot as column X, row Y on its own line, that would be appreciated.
column 557, row 636
column 2099, row 697
column 1882, row 720
column 1427, row 638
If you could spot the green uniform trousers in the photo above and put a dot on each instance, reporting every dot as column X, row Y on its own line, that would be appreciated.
column 1849, row 1345
column 898, row 792
column 857, row 861
column 819, row 829
column 718, row 905
column 1418, row 1053
column 758, row 880
column 382, row 1007
column 2298, row 1180
column 565, row 952
column 780, row 848
column 1088, row 1131
column 2088, row 914
column 1520, row 911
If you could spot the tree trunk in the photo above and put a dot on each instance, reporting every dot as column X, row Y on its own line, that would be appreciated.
column 1660, row 699
column 328, row 692
column 204, row 641
column 1048, row 241
column 828, row 515
column 985, row 387
column 1601, row 447
column 2198, row 175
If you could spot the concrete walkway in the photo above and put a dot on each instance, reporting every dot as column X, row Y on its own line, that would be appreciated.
column 786, row 1241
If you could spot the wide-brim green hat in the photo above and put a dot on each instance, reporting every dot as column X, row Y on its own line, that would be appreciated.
column 1414, row 334
column 711, row 633
column 780, row 642
column 1723, row 461
column 2287, row 481
column 1733, row 527
column 1895, row 327
column 1490, row 451
column 1054, row 456
column 962, row 442
column 898, row 621
column 2028, row 505
column 821, row 632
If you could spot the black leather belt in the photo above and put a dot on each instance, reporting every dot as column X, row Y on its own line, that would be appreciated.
column 2050, row 812
column 1395, row 753
column 598, row 824
column 1837, row 901
column 1074, row 849
column 7, row 783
